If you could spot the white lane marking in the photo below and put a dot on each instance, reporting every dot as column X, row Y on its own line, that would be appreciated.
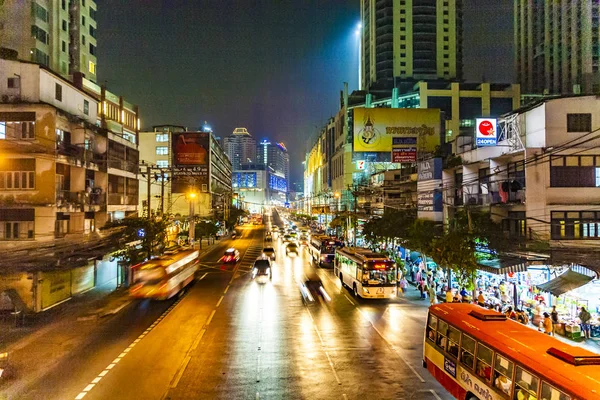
column 226, row 289
column 435, row 394
column 219, row 302
column 124, row 352
column 350, row 300
column 203, row 276
column 212, row 314
column 344, row 396
column 337, row 378
column 198, row 338
column 392, row 347
column 180, row 372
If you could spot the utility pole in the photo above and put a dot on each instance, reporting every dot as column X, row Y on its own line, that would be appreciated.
column 162, row 193
column 149, row 188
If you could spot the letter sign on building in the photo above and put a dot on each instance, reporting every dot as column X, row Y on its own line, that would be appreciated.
column 486, row 132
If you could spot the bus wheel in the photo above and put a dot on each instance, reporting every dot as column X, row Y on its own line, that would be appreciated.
column 355, row 291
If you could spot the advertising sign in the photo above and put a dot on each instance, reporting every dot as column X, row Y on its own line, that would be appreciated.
column 486, row 132
column 404, row 155
column 360, row 164
column 430, row 169
column 379, row 129
column 430, row 201
column 190, row 161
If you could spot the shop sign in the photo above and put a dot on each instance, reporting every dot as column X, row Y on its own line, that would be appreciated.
column 430, row 201
column 486, row 132
column 430, row 169
column 404, row 155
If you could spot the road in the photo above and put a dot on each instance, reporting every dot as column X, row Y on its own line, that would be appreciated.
column 230, row 337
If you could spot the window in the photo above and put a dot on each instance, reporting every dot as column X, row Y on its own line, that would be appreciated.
column 548, row 392
column 162, row 137
column 58, row 92
column 39, row 12
column 431, row 326
column 92, row 49
column 442, row 333
column 467, row 351
column 39, row 34
column 572, row 225
column 86, row 107
column 16, row 230
column 40, row 57
column 82, row 39
column 92, row 14
column 446, row 65
column 13, row 83
column 453, row 341
column 64, row 25
column 63, row 4
column 484, row 362
column 92, row 67
column 162, row 163
column 83, row 3
column 92, row 31
column 10, row 180
column 402, row 37
column 503, row 371
column 162, row 150
column 64, row 46
column 575, row 171
column 579, row 122
column 526, row 385
column 83, row 20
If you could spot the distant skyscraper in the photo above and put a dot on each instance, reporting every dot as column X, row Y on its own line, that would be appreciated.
column 240, row 147
column 557, row 46
column 59, row 34
column 275, row 157
column 410, row 40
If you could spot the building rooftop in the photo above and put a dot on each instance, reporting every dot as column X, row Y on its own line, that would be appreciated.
column 241, row 132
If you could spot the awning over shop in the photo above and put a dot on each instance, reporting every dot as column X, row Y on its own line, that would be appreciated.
column 568, row 280
column 503, row 265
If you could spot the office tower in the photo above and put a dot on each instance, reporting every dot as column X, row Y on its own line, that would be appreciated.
column 409, row 40
column 275, row 157
column 59, row 34
column 557, row 46
column 240, row 146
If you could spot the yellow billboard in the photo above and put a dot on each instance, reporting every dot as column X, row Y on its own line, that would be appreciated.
column 381, row 129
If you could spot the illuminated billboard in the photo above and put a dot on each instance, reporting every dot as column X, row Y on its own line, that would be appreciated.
column 486, row 132
column 190, row 162
column 384, row 129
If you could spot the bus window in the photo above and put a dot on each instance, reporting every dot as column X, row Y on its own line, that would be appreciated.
column 441, row 334
column 467, row 356
column 453, row 341
column 526, row 385
column 484, row 362
column 549, row 393
column 503, row 370
column 431, row 325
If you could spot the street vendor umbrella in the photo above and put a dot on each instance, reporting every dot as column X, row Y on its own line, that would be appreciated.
column 565, row 282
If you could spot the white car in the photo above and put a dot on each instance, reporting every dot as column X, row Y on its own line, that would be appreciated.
column 269, row 252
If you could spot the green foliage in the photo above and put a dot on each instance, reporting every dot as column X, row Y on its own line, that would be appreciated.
column 205, row 229
column 234, row 215
column 133, row 247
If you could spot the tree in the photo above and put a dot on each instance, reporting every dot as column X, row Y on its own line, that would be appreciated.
column 137, row 239
column 455, row 250
column 205, row 229
column 235, row 214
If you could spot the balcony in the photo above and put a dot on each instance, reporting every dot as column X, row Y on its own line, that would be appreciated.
column 121, row 199
column 73, row 201
column 478, row 199
column 123, row 165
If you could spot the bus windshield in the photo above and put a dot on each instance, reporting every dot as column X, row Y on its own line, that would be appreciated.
column 379, row 273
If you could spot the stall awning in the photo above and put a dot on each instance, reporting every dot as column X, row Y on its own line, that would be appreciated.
column 585, row 256
column 503, row 265
column 566, row 281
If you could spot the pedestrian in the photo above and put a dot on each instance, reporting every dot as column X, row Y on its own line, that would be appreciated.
column 432, row 296
column 481, row 299
column 403, row 285
column 547, row 324
column 522, row 317
column 464, row 293
column 449, row 296
column 585, row 317
column 423, row 288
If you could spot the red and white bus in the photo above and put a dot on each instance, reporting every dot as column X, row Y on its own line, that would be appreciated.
column 163, row 277
column 477, row 353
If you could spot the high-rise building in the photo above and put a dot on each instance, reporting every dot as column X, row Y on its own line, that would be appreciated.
column 557, row 46
column 240, row 146
column 60, row 34
column 409, row 40
column 275, row 157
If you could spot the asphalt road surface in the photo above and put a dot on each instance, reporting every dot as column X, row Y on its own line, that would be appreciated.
column 230, row 337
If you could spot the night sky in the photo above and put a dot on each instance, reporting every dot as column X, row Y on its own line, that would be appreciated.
column 275, row 67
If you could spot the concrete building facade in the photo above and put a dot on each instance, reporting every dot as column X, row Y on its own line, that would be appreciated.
column 240, row 147
column 59, row 34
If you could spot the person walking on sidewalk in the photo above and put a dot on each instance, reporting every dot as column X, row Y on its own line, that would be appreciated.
column 449, row 296
column 403, row 285
column 432, row 295
column 547, row 324
column 585, row 317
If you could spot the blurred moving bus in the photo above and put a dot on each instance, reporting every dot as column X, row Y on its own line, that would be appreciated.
column 477, row 353
column 369, row 275
column 322, row 249
column 163, row 277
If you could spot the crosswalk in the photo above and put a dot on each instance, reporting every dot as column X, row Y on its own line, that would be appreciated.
column 253, row 252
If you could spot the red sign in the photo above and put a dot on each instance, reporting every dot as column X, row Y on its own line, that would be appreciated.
column 404, row 155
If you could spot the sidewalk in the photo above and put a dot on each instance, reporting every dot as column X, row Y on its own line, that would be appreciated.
column 593, row 344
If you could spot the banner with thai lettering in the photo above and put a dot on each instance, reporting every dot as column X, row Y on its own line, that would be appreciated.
column 190, row 162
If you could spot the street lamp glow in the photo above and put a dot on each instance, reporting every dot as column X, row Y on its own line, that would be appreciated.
column 192, row 195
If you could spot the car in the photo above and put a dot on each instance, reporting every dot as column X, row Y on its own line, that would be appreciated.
column 269, row 252
column 291, row 248
column 261, row 270
column 231, row 256
column 303, row 240
column 275, row 228
column 269, row 239
column 311, row 288
column 286, row 238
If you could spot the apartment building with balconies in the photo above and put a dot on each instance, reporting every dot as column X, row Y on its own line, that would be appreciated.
column 542, row 179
